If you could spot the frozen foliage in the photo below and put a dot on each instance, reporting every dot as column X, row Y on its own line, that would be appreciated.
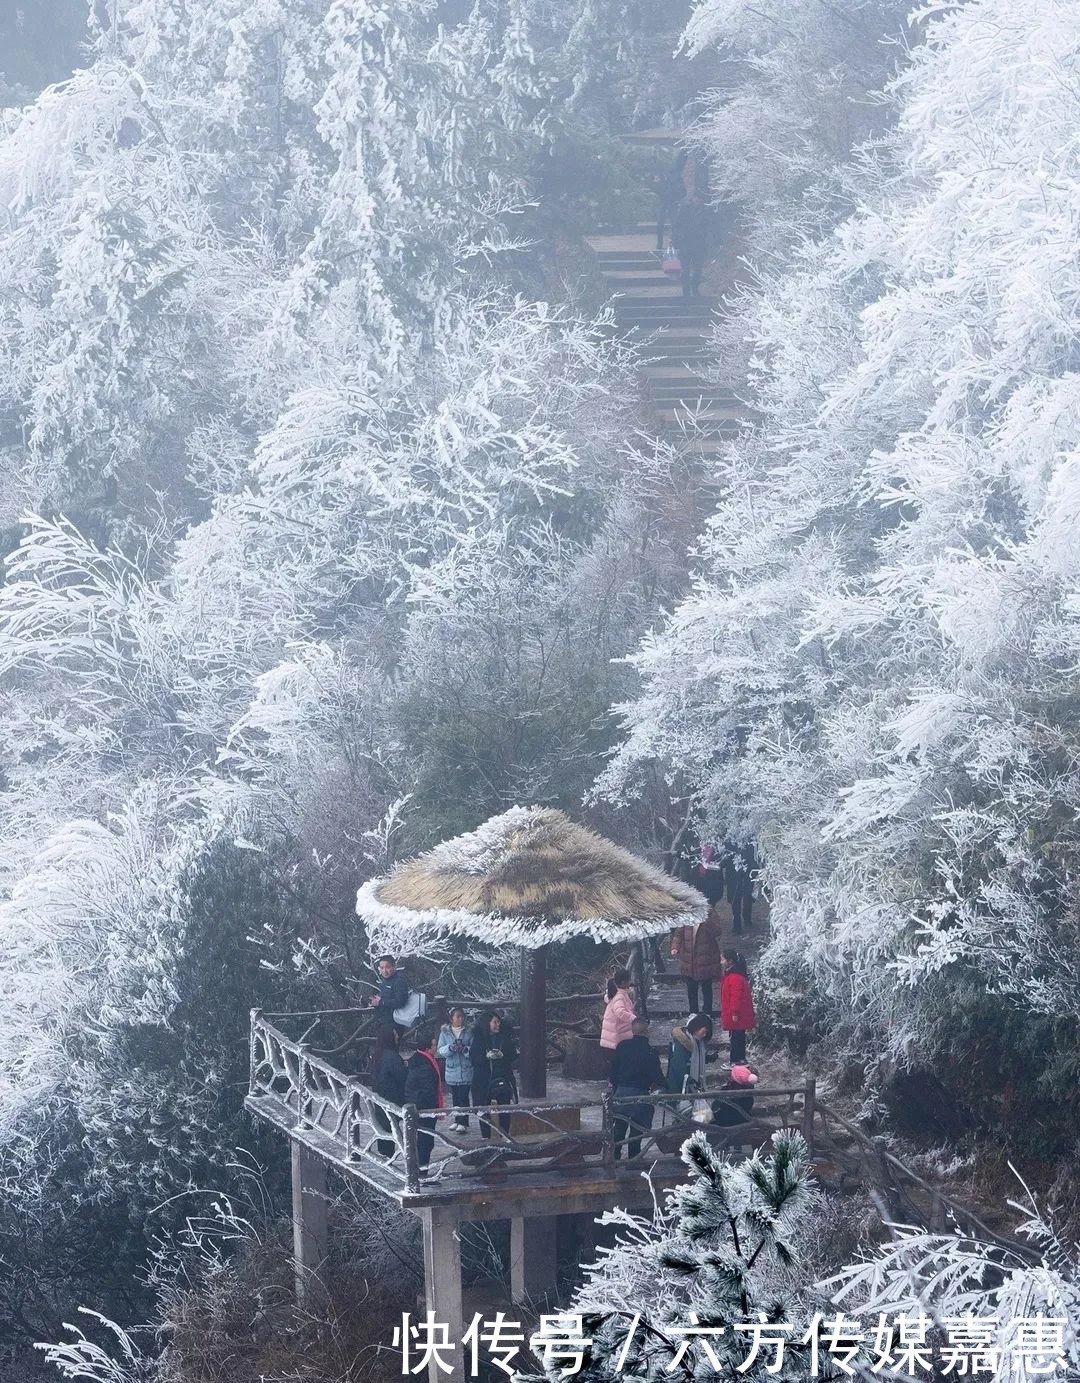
column 722, row 1248
column 810, row 73
column 876, row 673
column 950, row 1278
column 320, row 537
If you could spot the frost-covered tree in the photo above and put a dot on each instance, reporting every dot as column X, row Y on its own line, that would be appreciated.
column 723, row 1247
column 275, row 427
column 780, row 138
column 875, row 676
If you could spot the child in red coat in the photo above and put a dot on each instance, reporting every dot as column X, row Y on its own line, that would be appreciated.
column 736, row 1002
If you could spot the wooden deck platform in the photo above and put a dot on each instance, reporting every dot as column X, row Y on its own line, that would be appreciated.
column 566, row 1153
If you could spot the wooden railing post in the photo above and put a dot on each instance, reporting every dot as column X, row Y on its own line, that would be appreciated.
column 253, row 1062
column 302, row 1089
column 607, row 1128
column 412, row 1157
column 808, row 1110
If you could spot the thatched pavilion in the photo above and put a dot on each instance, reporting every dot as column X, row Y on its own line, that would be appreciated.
column 527, row 878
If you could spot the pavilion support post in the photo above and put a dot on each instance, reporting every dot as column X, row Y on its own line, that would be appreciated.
column 532, row 1257
column 533, row 1034
column 443, row 1296
column 637, row 972
column 310, row 1220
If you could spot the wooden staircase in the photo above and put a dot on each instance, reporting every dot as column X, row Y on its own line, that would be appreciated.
column 672, row 337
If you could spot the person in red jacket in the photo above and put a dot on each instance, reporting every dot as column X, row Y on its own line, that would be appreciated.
column 736, row 1002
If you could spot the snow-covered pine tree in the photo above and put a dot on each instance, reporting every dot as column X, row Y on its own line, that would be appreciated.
column 722, row 1248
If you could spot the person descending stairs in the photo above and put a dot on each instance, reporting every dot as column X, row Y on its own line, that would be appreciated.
column 672, row 335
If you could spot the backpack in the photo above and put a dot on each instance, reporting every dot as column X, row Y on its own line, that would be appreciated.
column 409, row 1014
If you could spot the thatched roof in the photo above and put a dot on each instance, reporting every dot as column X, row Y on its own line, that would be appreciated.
column 526, row 878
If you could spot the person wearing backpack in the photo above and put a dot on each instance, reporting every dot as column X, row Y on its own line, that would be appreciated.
column 393, row 993
column 736, row 1003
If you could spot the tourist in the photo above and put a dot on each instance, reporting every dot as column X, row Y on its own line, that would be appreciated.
column 739, row 863
column 618, row 1011
column 735, row 1109
column 686, row 1062
column 635, row 1071
column 393, row 992
column 708, row 875
column 736, row 1003
column 493, row 1054
column 669, row 193
column 455, row 1042
column 388, row 1075
column 698, row 950
column 691, row 242
column 424, row 1089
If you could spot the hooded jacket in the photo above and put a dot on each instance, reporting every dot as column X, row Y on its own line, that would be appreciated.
column 618, row 1020
column 423, row 1084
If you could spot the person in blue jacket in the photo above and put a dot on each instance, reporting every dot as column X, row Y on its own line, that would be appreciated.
column 455, row 1045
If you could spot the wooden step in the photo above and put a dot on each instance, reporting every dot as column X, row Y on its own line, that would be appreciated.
column 659, row 135
column 691, row 393
column 635, row 243
column 629, row 264
column 621, row 280
column 666, row 292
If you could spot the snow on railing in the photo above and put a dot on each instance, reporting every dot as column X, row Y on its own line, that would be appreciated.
column 345, row 1120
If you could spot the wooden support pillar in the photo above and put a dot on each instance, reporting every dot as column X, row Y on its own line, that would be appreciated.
column 442, row 1290
column 532, row 1258
column 310, row 1219
column 809, row 1110
column 637, row 971
column 533, row 1034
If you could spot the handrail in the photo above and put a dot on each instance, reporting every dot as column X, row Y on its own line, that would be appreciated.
column 938, row 1197
column 366, row 1129
column 344, row 1108
column 451, row 1002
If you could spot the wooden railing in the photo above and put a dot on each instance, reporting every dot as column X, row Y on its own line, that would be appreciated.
column 349, row 1123
column 342, row 1032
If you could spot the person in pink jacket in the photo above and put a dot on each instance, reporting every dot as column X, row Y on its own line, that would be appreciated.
column 618, row 1012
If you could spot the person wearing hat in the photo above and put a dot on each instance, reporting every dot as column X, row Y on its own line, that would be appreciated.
column 735, row 1109
column 686, row 1061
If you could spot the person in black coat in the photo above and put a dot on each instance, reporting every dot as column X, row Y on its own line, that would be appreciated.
column 691, row 240
column 669, row 193
column 635, row 1070
column 739, row 863
column 424, row 1089
column 493, row 1055
column 388, row 1074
